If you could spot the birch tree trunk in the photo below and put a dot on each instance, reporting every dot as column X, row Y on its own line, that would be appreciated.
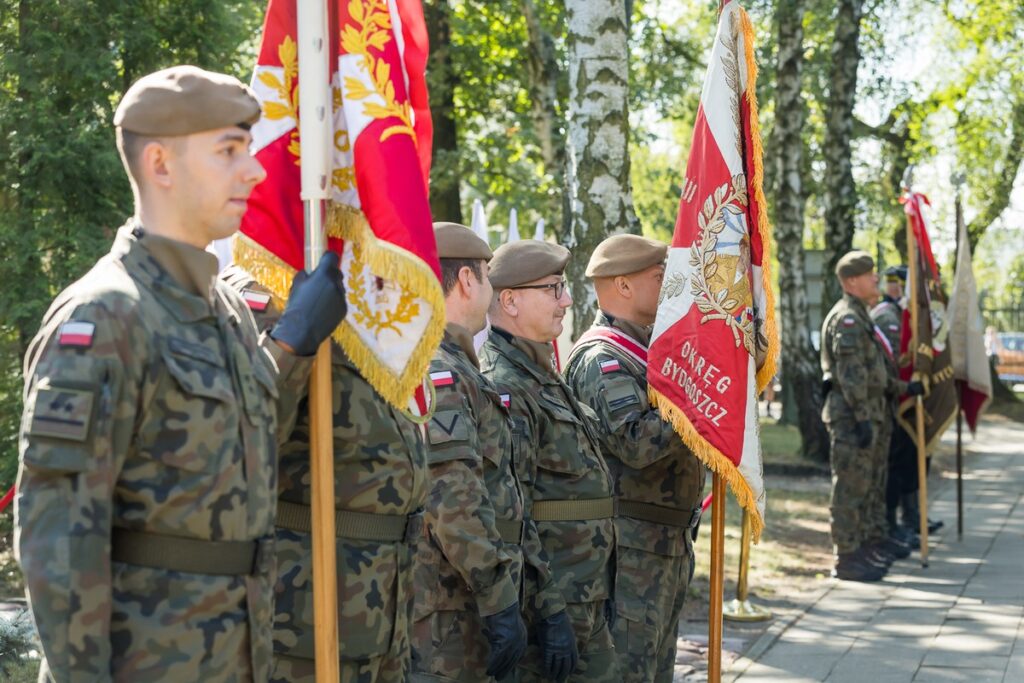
column 597, row 187
column 801, row 372
column 445, row 178
column 840, row 191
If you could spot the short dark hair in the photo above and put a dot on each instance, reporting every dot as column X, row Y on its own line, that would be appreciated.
column 451, row 267
column 131, row 144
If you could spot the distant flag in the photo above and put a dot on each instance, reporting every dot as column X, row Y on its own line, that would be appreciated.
column 538, row 232
column 513, row 226
column 714, row 345
column 379, row 217
column 479, row 224
column 967, row 338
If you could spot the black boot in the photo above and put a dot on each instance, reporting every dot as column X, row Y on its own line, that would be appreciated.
column 911, row 511
column 869, row 552
column 850, row 568
column 934, row 525
column 895, row 547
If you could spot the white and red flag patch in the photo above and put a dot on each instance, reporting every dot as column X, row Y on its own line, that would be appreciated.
column 76, row 333
column 506, row 400
column 257, row 301
column 714, row 344
column 442, row 379
column 610, row 366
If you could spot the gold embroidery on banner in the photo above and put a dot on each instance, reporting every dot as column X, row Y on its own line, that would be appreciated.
column 288, row 53
column 376, row 322
column 371, row 28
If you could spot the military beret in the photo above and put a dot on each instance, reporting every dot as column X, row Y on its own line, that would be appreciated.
column 458, row 241
column 625, row 254
column 896, row 273
column 518, row 263
column 854, row 263
column 183, row 100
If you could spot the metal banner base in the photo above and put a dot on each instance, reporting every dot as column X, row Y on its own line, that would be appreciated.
column 745, row 611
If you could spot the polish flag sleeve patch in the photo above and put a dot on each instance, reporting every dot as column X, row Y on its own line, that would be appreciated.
column 257, row 301
column 76, row 334
column 506, row 400
column 442, row 379
column 610, row 366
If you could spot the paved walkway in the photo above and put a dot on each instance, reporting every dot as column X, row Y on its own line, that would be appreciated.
column 961, row 619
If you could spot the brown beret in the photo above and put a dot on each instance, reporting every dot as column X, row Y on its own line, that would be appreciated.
column 518, row 263
column 854, row 263
column 458, row 241
column 183, row 100
column 625, row 254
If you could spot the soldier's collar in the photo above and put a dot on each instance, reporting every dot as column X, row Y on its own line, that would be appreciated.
column 640, row 333
column 459, row 336
column 541, row 355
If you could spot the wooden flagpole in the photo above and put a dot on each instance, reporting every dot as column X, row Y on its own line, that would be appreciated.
column 314, row 107
column 922, row 471
column 717, row 579
column 958, row 181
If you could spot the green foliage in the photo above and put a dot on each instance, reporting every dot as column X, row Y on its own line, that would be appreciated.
column 17, row 638
column 63, row 68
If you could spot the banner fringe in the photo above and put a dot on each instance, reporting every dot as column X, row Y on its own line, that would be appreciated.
column 767, row 371
column 715, row 460
column 384, row 260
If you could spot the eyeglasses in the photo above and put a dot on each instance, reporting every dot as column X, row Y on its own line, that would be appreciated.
column 557, row 287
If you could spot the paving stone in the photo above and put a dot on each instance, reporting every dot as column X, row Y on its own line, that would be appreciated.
column 931, row 674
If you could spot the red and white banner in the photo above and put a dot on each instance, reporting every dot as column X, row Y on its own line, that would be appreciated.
column 379, row 218
column 967, row 337
column 714, row 344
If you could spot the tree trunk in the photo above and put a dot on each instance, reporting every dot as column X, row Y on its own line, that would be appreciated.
column 597, row 187
column 840, row 191
column 801, row 373
column 445, row 178
column 543, row 72
column 1000, row 198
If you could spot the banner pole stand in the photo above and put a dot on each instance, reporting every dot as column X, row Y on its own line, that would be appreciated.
column 740, row 608
column 922, row 478
column 717, row 580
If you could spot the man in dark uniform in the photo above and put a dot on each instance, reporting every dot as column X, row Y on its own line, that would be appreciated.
column 658, row 480
column 148, row 446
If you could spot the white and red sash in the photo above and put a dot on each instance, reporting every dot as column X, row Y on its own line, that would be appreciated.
column 632, row 349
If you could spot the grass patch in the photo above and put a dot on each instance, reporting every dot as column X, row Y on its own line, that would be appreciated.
column 780, row 444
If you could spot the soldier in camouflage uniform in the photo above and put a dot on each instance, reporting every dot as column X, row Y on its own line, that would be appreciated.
column 380, row 486
column 566, row 483
column 658, row 480
column 857, row 413
column 148, row 444
column 469, row 564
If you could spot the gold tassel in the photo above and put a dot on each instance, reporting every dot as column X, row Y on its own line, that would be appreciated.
column 767, row 371
column 710, row 456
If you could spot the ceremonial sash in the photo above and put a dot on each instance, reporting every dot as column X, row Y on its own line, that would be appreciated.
column 632, row 349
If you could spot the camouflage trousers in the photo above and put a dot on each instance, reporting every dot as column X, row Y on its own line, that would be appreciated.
column 857, row 484
column 450, row 645
column 877, row 528
column 593, row 639
column 376, row 670
column 649, row 592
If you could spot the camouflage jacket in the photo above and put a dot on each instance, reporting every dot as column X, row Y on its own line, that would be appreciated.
column 558, row 458
column 648, row 460
column 858, row 365
column 150, row 406
column 888, row 316
column 463, row 564
column 380, row 468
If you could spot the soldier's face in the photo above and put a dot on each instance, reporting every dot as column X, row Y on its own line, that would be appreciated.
column 646, row 288
column 864, row 287
column 215, row 175
column 540, row 313
column 894, row 289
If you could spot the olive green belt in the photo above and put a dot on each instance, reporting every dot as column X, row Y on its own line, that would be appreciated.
column 192, row 555
column 353, row 526
column 648, row 512
column 573, row 510
column 510, row 530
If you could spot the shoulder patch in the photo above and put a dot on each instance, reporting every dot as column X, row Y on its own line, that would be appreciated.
column 849, row 321
column 894, row 328
column 76, row 334
column 610, row 366
column 62, row 413
column 442, row 379
column 621, row 394
column 447, row 425
column 506, row 400
column 256, row 301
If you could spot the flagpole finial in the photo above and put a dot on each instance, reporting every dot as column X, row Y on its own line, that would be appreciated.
column 907, row 183
column 958, row 178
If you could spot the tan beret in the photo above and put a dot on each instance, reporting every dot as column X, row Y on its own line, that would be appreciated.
column 183, row 100
column 518, row 263
column 854, row 263
column 458, row 241
column 625, row 254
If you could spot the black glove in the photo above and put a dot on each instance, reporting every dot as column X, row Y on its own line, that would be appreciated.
column 862, row 430
column 915, row 388
column 316, row 305
column 610, row 613
column 558, row 646
column 506, row 634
